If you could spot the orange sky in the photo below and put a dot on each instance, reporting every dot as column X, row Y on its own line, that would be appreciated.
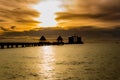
column 20, row 15
column 33, row 15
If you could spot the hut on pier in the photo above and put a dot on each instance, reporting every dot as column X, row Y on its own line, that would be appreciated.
column 42, row 39
column 60, row 39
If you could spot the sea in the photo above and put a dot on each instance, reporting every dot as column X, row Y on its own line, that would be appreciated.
column 89, row 61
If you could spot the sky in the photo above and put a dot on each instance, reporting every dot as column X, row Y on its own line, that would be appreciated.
column 29, row 19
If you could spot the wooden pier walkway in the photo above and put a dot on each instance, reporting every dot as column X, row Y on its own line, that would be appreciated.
column 6, row 45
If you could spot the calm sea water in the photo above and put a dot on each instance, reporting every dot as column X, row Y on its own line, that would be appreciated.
column 68, row 62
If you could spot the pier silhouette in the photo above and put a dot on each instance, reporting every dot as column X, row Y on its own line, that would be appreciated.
column 42, row 42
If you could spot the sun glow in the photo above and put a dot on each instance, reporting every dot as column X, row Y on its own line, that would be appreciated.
column 47, row 10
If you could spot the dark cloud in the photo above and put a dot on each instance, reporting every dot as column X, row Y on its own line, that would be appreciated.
column 18, row 12
column 101, row 16
column 28, row 21
column 13, row 27
column 7, row 29
column 4, row 29
column 102, row 10
column 22, row 14
column 2, row 20
column 93, row 6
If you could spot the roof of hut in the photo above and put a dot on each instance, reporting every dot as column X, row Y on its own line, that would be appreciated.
column 43, row 38
column 59, row 38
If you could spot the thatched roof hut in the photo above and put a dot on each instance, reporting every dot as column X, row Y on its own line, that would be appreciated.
column 60, row 39
column 42, row 38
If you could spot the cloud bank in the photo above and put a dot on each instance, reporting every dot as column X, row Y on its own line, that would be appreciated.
column 93, row 12
column 18, row 13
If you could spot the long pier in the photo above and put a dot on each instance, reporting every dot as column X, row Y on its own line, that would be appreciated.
column 71, row 40
column 6, row 45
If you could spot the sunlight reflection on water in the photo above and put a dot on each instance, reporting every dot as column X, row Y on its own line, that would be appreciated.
column 47, row 62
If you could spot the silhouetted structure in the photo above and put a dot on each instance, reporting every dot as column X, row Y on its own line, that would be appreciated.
column 60, row 39
column 75, row 40
column 42, row 42
column 43, row 39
